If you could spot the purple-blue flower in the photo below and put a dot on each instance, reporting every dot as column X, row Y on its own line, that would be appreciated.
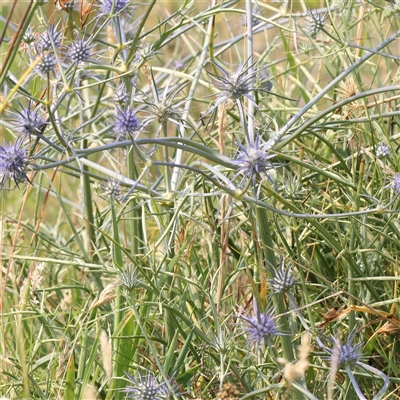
column 147, row 387
column 109, row 7
column 126, row 122
column 13, row 163
column 49, row 37
column 46, row 64
column 261, row 326
column 29, row 120
column 79, row 51
column 347, row 355
column 396, row 183
column 382, row 150
column 253, row 160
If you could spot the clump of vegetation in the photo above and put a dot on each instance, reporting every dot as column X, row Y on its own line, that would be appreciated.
column 199, row 200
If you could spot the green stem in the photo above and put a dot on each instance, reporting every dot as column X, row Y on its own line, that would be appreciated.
column 334, row 82
column 265, row 237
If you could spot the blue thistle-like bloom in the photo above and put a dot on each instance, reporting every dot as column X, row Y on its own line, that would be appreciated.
column 109, row 7
column 48, row 37
column 261, row 327
column 126, row 122
column 348, row 355
column 13, row 163
column 30, row 121
column 396, row 183
column 147, row 387
column 46, row 64
column 253, row 160
column 343, row 354
column 316, row 21
column 282, row 278
column 79, row 51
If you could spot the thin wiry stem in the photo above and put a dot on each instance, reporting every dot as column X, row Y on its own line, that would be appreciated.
column 250, row 70
column 179, row 153
column 354, row 383
column 376, row 371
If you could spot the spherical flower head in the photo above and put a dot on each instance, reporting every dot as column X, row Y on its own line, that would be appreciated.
column 126, row 122
column 50, row 37
column 344, row 354
column 234, row 85
column 316, row 21
column 253, row 160
column 146, row 387
column 112, row 7
column 30, row 121
column 260, row 327
column 79, row 51
column 46, row 64
column 13, row 163
column 282, row 278
column 112, row 189
column 382, row 150
column 396, row 183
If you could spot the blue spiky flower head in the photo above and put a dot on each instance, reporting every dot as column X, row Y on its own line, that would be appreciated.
column 113, row 7
column 13, row 163
column 29, row 36
column 52, row 35
column 396, row 183
column 253, row 160
column 46, row 64
column 29, row 120
column 79, row 51
column 126, row 122
column 129, row 277
column 260, row 327
column 147, row 387
column 111, row 189
column 343, row 353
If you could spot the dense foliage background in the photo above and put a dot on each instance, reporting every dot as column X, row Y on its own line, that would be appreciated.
column 199, row 199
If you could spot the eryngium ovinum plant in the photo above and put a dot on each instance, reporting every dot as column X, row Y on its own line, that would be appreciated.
column 185, row 196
